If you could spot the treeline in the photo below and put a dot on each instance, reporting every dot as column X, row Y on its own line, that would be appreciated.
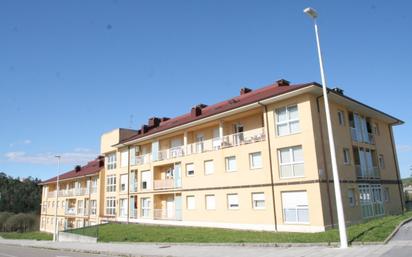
column 19, row 195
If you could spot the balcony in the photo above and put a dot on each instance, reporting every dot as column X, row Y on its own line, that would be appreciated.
column 372, row 172
column 133, row 213
column 74, row 192
column 214, row 144
column 164, row 183
column 358, row 136
column 142, row 159
column 167, row 214
column 70, row 211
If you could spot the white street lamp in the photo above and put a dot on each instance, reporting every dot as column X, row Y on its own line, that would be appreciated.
column 57, row 200
column 339, row 206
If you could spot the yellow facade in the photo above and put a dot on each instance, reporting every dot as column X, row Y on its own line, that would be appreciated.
column 264, row 166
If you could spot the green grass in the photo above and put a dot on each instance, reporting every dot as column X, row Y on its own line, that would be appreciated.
column 407, row 181
column 375, row 230
column 35, row 235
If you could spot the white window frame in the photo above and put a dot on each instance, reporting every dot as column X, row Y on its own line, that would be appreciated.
column 346, row 156
column 252, row 164
column 292, row 163
column 381, row 161
column 123, row 209
column 386, row 194
column 295, row 208
column 93, row 207
column 258, row 197
column 111, row 183
column 212, row 205
column 227, row 161
column 111, row 161
column 123, row 184
column 341, row 118
column 148, row 180
column 124, row 158
column 190, row 202
column 233, row 201
column 288, row 121
column 351, row 197
column 111, row 206
column 190, row 167
column 145, row 213
column 212, row 167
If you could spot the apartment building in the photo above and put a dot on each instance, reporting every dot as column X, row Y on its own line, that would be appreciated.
column 78, row 198
column 257, row 161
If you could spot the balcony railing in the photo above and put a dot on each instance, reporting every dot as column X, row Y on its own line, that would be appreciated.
column 74, row 192
column 369, row 138
column 167, row 214
column 213, row 144
column 372, row 172
column 164, row 183
column 133, row 213
column 142, row 159
column 70, row 211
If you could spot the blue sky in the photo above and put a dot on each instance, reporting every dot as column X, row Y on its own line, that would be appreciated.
column 71, row 70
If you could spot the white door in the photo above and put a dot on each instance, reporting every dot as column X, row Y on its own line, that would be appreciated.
column 216, row 139
column 238, row 137
column 176, row 147
column 170, row 208
column 199, row 142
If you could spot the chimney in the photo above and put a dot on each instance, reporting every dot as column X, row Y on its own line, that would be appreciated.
column 165, row 119
column 245, row 90
column 282, row 83
column 144, row 129
column 77, row 168
column 154, row 122
column 197, row 110
column 338, row 90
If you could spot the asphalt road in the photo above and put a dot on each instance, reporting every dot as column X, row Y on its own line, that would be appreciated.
column 402, row 242
column 24, row 251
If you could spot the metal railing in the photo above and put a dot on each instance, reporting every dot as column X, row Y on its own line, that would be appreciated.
column 70, row 211
column 372, row 172
column 133, row 213
column 142, row 159
column 369, row 138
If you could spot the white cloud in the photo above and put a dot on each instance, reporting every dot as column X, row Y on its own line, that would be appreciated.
column 77, row 156
column 22, row 142
column 404, row 148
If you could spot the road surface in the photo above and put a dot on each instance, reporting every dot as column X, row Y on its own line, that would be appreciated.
column 402, row 242
column 24, row 251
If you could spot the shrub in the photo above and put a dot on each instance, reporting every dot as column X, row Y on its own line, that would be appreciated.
column 21, row 222
column 4, row 216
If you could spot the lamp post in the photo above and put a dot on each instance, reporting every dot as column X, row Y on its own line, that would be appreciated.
column 57, row 200
column 339, row 206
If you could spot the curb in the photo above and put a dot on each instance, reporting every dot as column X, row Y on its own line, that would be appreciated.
column 396, row 230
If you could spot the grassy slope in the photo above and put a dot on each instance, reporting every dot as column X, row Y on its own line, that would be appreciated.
column 371, row 231
column 407, row 181
column 36, row 235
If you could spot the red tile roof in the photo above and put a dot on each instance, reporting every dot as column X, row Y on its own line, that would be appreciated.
column 90, row 168
column 230, row 104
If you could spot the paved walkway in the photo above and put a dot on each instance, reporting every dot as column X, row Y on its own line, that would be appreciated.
column 400, row 246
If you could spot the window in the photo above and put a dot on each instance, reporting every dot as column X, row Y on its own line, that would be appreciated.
column 346, row 156
column 190, row 169
column 111, row 161
column 123, row 183
column 133, row 159
column 123, row 207
column 295, row 207
column 93, row 207
column 341, row 118
column 94, row 185
column 370, row 198
column 386, row 196
column 255, row 160
column 287, row 120
column 291, row 162
column 381, row 161
column 210, row 202
column 232, row 201
column 124, row 158
column 111, row 183
column 110, row 206
column 146, row 179
column 190, row 202
column 258, row 200
column 53, row 204
column 375, row 128
column 351, row 197
column 145, row 207
column 230, row 163
column 80, row 207
column 209, row 167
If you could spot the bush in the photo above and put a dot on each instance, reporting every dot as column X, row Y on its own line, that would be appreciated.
column 21, row 222
column 3, row 218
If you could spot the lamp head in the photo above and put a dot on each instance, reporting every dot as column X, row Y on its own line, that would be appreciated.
column 311, row 12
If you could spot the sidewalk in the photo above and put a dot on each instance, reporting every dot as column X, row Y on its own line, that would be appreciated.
column 201, row 250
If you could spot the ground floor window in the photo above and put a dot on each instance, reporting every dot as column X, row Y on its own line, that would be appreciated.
column 370, row 197
column 123, row 207
column 295, row 207
column 146, row 202
column 111, row 206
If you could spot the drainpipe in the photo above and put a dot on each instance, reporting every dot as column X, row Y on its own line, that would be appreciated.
column 270, row 165
column 324, row 161
column 128, row 184
column 396, row 166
